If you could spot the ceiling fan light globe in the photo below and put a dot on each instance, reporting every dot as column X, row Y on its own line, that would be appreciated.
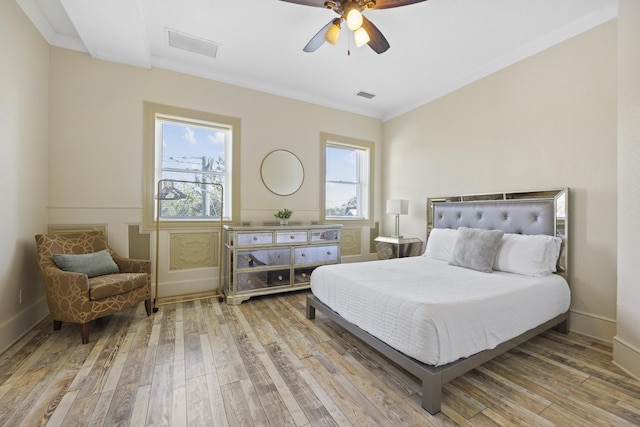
column 354, row 19
column 361, row 37
column 332, row 34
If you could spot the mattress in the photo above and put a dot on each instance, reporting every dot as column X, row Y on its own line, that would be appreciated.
column 434, row 312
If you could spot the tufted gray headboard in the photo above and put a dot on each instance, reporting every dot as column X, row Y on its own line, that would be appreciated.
column 532, row 212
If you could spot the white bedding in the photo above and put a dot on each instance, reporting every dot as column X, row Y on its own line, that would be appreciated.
column 435, row 312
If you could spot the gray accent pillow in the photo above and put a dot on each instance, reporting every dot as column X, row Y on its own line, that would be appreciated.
column 93, row 264
column 476, row 248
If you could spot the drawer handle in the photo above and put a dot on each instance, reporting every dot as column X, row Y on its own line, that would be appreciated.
column 304, row 274
column 255, row 238
column 303, row 255
column 248, row 281
column 279, row 277
column 328, row 252
column 292, row 237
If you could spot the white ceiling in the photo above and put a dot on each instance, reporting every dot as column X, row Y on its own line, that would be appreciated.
column 437, row 46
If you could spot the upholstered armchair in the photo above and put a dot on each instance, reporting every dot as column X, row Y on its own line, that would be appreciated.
column 104, row 288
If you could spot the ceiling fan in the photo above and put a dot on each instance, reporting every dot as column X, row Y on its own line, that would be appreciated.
column 351, row 12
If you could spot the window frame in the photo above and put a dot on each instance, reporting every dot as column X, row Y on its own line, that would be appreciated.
column 153, row 164
column 327, row 140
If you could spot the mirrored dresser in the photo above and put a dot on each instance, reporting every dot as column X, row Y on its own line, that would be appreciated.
column 260, row 260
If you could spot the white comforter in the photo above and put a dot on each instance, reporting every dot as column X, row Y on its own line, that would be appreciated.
column 434, row 312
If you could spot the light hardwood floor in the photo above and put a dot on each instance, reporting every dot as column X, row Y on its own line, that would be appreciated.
column 205, row 363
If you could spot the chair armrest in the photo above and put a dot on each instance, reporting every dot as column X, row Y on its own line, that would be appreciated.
column 72, row 283
column 67, row 294
column 131, row 265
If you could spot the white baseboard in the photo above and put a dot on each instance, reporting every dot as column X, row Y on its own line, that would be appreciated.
column 171, row 289
column 358, row 258
column 20, row 324
column 626, row 357
column 592, row 325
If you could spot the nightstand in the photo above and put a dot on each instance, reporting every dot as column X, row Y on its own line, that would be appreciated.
column 397, row 247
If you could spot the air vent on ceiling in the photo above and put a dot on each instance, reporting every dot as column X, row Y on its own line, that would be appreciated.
column 365, row 95
column 192, row 44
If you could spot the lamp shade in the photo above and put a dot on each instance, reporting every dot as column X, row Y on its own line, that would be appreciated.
column 333, row 32
column 354, row 19
column 361, row 36
column 398, row 206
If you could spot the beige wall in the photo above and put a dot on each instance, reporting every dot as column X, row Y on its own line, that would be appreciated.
column 23, row 174
column 546, row 122
column 96, row 146
column 626, row 345
column 96, row 127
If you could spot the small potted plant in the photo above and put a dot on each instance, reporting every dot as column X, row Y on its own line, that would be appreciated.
column 283, row 215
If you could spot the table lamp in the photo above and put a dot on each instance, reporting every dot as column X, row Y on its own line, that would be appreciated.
column 397, row 207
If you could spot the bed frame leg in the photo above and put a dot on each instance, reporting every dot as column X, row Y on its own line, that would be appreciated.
column 311, row 311
column 432, row 394
column 563, row 327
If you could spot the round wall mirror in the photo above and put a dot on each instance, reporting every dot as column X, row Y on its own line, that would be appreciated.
column 282, row 172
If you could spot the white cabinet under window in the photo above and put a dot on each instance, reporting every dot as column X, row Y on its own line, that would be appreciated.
column 260, row 260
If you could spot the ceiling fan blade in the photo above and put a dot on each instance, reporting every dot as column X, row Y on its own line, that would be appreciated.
column 377, row 41
column 388, row 4
column 314, row 3
column 317, row 40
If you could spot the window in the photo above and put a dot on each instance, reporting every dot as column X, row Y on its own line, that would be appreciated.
column 187, row 152
column 348, row 174
column 192, row 152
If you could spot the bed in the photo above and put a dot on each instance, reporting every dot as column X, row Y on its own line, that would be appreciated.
column 494, row 274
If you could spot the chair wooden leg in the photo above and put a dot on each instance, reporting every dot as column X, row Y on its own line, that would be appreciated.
column 147, row 306
column 57, row 324
column 84, row 332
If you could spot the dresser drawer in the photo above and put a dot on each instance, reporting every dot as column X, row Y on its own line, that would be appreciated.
column 313, row 254
column 291, row 237
column 262, row 279
column 325, row 235
column 263, row 258
column 254, row 238
column 302, row 275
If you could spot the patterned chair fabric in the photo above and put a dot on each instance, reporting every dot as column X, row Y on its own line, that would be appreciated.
column 73, row 297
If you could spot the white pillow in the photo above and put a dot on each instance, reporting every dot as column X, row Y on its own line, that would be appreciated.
column 529, row 255
column 440, row 243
